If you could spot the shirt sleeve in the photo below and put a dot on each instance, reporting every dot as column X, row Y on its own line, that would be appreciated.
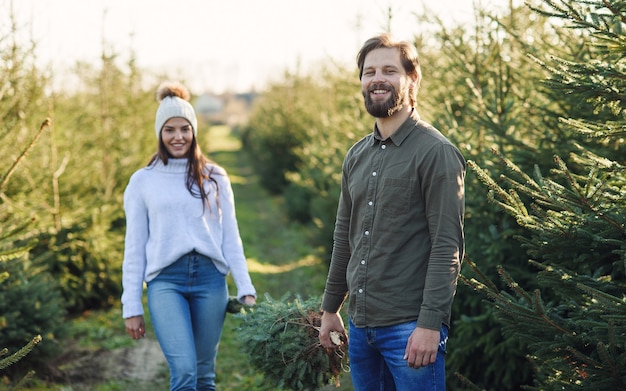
column 134, row 263
column 232, row 246
column 336, row 289
column 444, row 195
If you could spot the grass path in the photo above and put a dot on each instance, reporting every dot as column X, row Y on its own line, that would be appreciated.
column 281, row 259
column 280, row 256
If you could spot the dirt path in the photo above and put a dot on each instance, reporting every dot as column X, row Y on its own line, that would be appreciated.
column 141, row 363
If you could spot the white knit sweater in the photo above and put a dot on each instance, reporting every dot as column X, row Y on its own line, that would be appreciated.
column 164, row 222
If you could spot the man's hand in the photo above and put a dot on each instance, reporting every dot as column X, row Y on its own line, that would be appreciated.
column 422, row 347
column 331, row 322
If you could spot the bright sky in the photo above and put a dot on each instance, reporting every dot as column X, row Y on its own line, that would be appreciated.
column 220, row 45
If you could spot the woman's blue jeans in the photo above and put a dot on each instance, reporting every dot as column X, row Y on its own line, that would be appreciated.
column 187, row 303
column 377, row 360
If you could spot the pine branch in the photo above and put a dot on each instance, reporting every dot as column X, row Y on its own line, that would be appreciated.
column 608, row 300
column 581, row 18
column 540, row 310
column 483, row 278
column 516, row 170
column 584, row 358
column 612, row 129
column 582, row 197
column 20, row 354
column 17, row 252
column 21, row 228
column 20, row 384
column 548, row 221
column 7, row 175
column 514, row 285
column 484, row 177
column 499, row 196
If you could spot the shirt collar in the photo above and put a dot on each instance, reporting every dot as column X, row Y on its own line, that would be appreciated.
column 402, row 132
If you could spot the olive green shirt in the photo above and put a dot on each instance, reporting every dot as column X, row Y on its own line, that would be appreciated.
column 398, row 239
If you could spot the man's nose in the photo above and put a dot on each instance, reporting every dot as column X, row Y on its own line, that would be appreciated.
column 378, row 77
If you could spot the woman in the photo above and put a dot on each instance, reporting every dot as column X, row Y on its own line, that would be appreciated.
column 182, row 239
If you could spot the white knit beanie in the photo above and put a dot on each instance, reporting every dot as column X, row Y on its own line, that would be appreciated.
column 174, row 100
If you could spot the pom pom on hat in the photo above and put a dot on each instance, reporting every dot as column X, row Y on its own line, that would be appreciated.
column 174, row 98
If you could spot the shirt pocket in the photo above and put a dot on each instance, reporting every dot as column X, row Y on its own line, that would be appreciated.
column 395, row 197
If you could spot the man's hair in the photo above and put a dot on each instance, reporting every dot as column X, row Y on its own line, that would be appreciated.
column 408, row 56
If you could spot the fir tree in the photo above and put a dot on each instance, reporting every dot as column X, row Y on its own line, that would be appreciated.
column 281, row 339
column 481, row 90
column 574, row 325
column 9, row 253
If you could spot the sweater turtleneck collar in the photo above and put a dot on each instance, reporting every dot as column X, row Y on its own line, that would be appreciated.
column 172, row 166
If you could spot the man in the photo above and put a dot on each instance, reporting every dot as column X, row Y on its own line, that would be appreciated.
column 398, row 239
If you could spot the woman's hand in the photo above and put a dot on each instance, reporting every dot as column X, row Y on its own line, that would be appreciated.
column 249, row 300
column 135, row 327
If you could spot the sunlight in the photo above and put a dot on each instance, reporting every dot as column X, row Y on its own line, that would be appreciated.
column 255, row 266
column 238, row 179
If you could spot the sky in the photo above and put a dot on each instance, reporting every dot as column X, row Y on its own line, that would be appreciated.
column 218, row 46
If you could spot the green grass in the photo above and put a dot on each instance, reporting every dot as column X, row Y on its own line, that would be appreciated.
column 281, row 260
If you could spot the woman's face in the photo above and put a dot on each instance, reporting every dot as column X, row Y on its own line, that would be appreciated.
column 177, row 135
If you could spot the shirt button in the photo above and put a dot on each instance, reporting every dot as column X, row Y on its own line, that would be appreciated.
column 362, row 261
column 367, row 233
column 370, row 203
column 360, row 290
column 374, row 173
column 383, row 146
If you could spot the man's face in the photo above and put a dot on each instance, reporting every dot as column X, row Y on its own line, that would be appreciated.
column 384, row 82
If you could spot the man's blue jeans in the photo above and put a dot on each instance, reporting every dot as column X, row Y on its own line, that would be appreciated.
column 377, row 360
column 187, row 303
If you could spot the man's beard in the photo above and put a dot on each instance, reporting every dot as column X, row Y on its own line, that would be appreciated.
column 383, row 109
